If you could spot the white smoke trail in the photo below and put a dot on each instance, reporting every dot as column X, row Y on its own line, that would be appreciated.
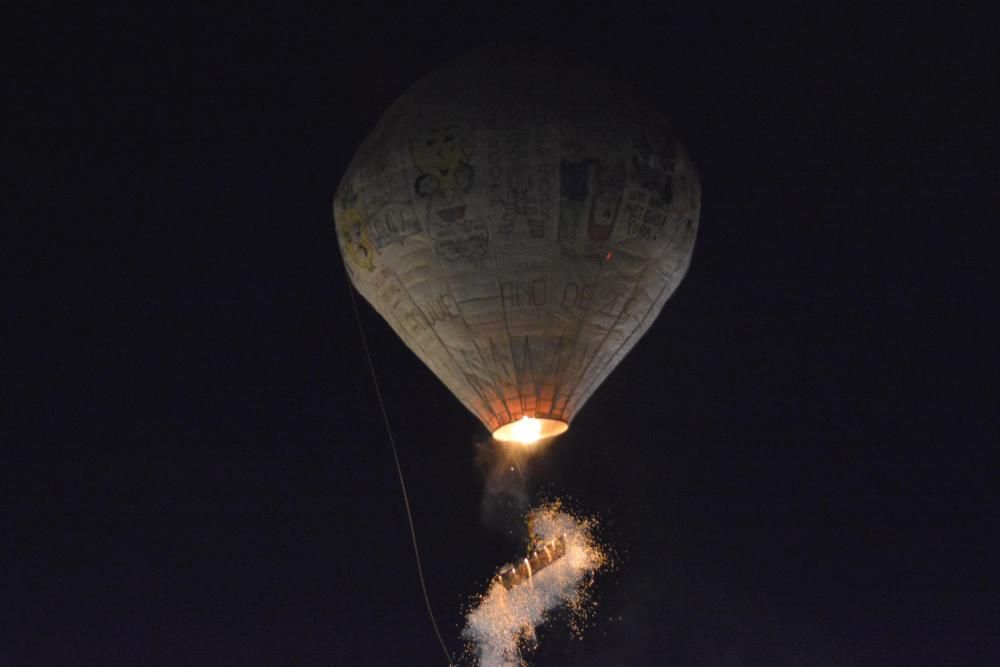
column 504, row 621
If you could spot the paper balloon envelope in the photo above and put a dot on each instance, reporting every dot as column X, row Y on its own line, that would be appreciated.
column 519, row 222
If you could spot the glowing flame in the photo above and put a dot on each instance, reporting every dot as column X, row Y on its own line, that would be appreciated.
column 526, row 430
column 529, row 430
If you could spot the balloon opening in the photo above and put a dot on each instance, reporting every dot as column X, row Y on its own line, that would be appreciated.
column 529, row 430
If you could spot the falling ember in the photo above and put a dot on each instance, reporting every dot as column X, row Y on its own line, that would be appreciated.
column 557, row 573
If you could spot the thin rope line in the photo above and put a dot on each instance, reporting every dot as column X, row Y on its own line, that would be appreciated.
column 399, row 469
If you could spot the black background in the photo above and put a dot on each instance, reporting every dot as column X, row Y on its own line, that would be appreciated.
column 795, row 464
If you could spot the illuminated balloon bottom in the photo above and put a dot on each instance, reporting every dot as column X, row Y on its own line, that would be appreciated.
column 529, row 430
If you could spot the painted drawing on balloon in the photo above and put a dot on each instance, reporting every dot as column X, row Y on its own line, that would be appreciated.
column 574, row 188
column 644, row 215
column 520, row 209
column 389, row 291
column 521, row 174
column 387, row 206
column 524, row 293
column 441, row 153
column 419, row 317
column 590, row 190
column 653, row 169
column 353, row 232
column 393, row 224
column 609, row 181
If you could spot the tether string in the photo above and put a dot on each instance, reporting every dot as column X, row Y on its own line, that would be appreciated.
column 399, row 470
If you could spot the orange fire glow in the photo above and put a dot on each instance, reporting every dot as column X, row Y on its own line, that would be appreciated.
column 529, row 430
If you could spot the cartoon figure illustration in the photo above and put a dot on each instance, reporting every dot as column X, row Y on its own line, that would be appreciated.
column 609, row 182
column 574, row 187
column 446, row 203
column 441, row 152
column 653, row 171
column 520, row 204
column 355, row 240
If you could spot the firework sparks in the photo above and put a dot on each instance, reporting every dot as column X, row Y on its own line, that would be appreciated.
column 503, row 622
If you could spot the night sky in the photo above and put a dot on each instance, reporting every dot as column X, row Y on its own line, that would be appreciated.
column 795, row 465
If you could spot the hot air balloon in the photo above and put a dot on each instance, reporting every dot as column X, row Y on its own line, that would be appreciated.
column 519, row 221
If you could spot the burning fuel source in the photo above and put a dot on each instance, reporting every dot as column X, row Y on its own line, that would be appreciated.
column 556, row 573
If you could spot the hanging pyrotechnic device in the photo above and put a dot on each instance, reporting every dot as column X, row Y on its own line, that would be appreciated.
column 540, row 556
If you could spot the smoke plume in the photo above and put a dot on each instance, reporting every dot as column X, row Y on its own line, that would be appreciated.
column 506, row 497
